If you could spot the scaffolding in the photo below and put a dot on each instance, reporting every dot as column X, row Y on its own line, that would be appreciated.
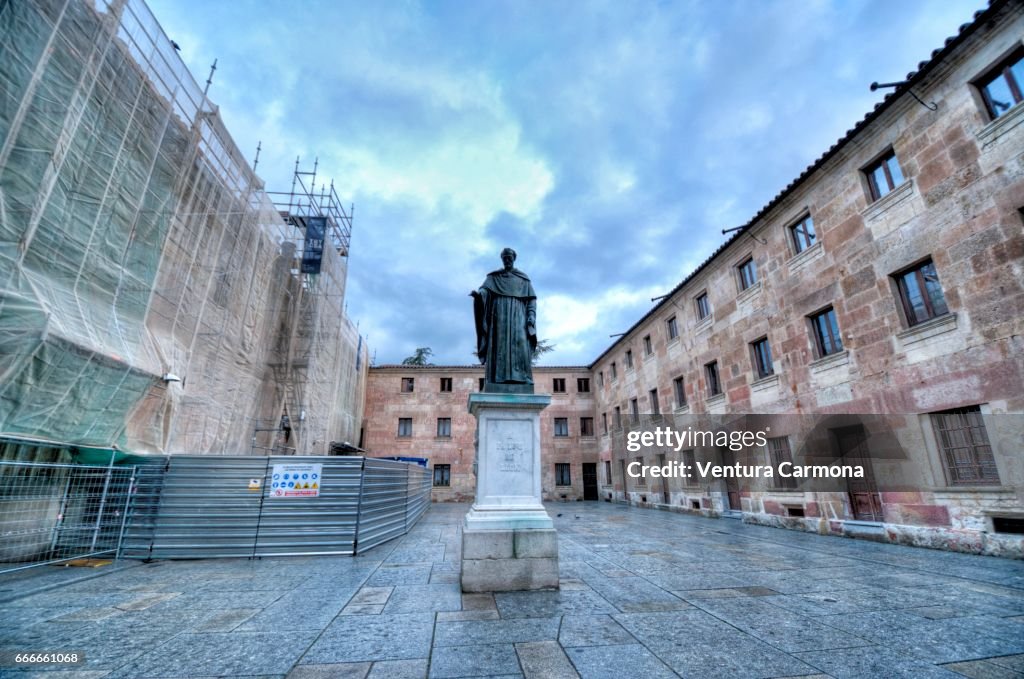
column 311, row 368
column 145, row 275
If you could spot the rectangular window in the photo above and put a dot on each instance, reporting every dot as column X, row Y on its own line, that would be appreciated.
column 762, row 358
column 442, row 475
column 608, row 472
column 444, row 427
column 655, row 408
column 561, row 426
column 921, row 293
column 634, row 411
column 884, row 175
column 604, row 423
column 648, row 347
column 714, row 385
column 690, row 467
column 600, row 379
column 586, row 426
column 613, row 372
column 679, row 387
column 826, row 333
column 583, row 385
column 481, row 384
column 562, row 475
column 641, row 480
column 966, row 452
column 1001, row 87
column 803, row 234
column 558, row 385
column 618, row 417
column 405, row 427
column 446, row 384
column 673, row 328
column 779, row 452
column 747, row 273
column 703, row 306
column 408, row 384
column 629, row 359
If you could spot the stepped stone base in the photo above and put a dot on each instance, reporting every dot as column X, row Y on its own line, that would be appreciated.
column 509, row 560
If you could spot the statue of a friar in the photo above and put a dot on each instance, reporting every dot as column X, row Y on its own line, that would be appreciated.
column 505, row 308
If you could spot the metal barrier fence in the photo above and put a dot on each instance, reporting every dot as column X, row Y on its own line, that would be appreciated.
column 57, row 512
column 205, row 506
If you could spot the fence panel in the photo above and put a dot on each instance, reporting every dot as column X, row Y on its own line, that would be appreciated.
column 383, row 502
column 57, row 512
column 417, row 495
column 325, row 524
column 203, row 507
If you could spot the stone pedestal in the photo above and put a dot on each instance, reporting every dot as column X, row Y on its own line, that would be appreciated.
column 509, row 542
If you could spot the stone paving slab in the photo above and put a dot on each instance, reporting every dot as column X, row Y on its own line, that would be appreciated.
column 644, row 593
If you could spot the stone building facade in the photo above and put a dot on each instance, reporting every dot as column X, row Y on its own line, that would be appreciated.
column 421, row 411
column 887, row 282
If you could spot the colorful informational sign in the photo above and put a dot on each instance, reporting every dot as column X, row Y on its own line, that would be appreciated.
column 296, row 480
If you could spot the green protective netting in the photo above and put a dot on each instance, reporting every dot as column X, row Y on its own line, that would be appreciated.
column 135, row 242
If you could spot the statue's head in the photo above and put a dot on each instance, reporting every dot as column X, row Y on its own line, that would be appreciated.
column 508, row 256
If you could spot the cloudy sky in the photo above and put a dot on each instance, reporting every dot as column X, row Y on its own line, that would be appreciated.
column 608, row 142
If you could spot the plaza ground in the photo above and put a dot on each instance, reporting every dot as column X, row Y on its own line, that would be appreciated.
column 643, row 594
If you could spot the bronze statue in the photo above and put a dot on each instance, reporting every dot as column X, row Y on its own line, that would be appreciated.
column 505, row 308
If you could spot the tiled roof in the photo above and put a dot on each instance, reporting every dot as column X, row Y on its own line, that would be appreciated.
column 913, row 78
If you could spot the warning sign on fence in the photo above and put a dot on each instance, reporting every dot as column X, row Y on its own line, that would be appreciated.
column 296, row 480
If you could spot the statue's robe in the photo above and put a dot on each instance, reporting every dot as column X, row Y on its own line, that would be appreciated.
column 505, row 306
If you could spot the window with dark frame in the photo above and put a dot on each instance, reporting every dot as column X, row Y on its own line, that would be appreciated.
column 762, row 358
column 561, row 426
column 703, row 306
column 608, row 472
column 408, row 384
column 444, row 427
column 482, row 381
column 921, row 293
column 673, row 328
column 634, row 410
column 442, row 475
column 690, row 465
column 714, row 384
column 629, row 359
column 747, row 273
column 586, row 426
column 779, row 452
column 1002, row 88
column 583, row 385
column 446, row 384
column 826, row 333
column 679, row 387
column 600, row 379
column 641, row 480
column 404, row 427
column 964, row 447
column 803, row 234
column 558, row 385
column 648, row 347
column 884, row 175
column 655, row 408
column 604, row 423
column 618, row 417
column 613, row 371
column 563, row 477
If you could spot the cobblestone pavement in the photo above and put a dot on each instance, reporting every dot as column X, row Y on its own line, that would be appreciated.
column 643, row 594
